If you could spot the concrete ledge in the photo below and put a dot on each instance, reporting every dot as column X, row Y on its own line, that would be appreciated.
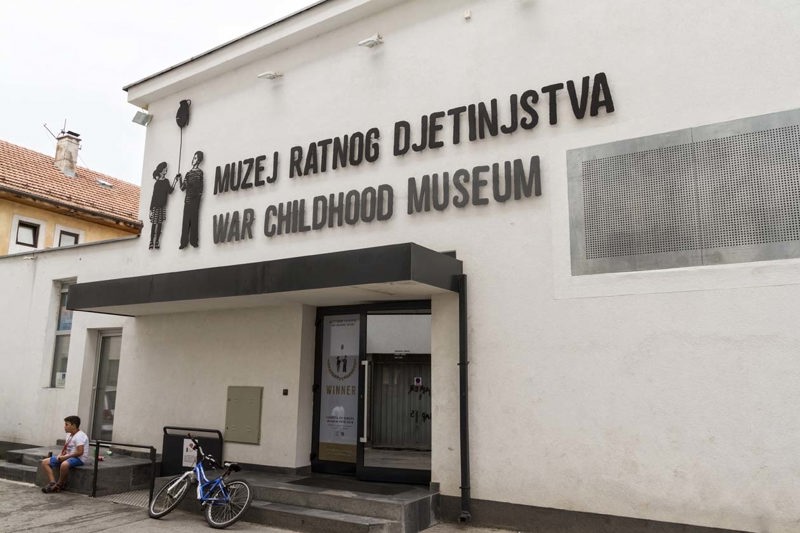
column 115, row 474
column 545, row 520
column 307, row 519
column 5, row 446
column 17, row 472
column 299, row 471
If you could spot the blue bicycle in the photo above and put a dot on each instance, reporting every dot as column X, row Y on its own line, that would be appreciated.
column 224, row 502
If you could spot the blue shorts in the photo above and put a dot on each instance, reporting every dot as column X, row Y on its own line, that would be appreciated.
column 73, row 462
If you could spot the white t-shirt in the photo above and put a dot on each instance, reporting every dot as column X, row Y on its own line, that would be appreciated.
column 73, row 441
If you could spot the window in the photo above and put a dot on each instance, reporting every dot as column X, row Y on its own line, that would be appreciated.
column 27, row 234
column 63, row 330
column 67, row 238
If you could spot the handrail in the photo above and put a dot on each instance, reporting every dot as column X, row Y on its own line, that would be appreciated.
column 102, row 443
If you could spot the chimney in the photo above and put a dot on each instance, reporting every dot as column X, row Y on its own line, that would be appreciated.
column 67, row 146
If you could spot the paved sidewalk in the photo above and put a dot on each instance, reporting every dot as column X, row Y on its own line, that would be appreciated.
column 24, row 507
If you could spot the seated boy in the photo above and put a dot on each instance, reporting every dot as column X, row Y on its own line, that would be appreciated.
column 74, row 453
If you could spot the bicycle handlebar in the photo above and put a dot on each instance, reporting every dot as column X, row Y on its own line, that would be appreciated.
column 196, row 446
column 201, row 456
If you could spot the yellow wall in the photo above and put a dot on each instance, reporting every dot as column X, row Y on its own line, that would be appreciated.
column 91, row 231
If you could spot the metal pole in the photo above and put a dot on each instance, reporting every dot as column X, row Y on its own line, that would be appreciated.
column 463, row 363
column 153, row 473
column 96, row 464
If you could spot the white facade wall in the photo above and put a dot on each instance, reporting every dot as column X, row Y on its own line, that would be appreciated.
column 183, row 365
column 32, row 411
column 667, row 395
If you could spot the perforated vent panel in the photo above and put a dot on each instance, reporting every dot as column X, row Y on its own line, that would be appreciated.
column 717, row 194
column 640, row 203
column 749, row 187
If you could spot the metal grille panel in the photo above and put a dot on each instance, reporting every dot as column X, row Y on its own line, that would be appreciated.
column 722, row 193
column 748, row 188
column 640, row 203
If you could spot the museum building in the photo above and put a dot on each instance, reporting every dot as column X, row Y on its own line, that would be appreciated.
column 540, row 255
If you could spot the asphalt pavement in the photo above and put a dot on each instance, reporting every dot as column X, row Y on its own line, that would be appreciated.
column 24, row 507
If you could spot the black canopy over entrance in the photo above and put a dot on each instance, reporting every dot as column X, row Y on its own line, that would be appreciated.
column 383, row 273
column 392, row 272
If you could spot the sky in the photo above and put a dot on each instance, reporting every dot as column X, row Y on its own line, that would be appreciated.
column 65, row 62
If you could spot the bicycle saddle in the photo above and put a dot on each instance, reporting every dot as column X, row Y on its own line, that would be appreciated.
column 234, row 467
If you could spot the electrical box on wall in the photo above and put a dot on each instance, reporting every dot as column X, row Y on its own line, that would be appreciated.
column 243, row 415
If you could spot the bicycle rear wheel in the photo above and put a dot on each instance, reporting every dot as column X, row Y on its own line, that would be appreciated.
column 220, row 514
column 168, row 497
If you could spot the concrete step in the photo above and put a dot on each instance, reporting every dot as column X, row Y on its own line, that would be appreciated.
column 378, row 506
column 6, row 445
column 311, row 520
column 115, row 474
column 33, row 456
column 27, row 456
column 17, row 472
column 332, row 505
column 396, row 507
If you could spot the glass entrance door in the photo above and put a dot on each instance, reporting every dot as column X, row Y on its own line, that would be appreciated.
column 336, row 428
column 372, row 397
column 395, row 441
column 105, row 391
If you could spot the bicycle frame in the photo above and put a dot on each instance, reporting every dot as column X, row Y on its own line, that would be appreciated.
column 206, row 486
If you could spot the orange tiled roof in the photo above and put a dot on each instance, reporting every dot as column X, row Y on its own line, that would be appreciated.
column 28, row 173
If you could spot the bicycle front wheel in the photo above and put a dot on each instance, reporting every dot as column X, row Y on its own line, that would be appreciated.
column 225, row 511
column 168, row 497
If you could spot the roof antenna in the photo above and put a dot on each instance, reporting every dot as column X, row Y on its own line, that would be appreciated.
column 48, row 131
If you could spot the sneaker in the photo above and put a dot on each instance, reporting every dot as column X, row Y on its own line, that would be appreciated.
column 49, row 487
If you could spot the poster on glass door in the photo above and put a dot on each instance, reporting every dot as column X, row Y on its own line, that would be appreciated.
column 339, row 393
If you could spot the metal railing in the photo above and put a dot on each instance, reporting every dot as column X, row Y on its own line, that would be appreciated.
column 107, row 444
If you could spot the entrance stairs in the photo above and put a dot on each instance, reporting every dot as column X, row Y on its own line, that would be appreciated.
column 320, row 503
column 314, row 503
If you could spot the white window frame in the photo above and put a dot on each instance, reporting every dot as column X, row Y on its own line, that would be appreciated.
column 64, row 229
column 101, row 334
column 58, row 374
column 13, row 246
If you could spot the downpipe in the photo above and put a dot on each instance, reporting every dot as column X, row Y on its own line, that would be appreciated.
column 463, row 364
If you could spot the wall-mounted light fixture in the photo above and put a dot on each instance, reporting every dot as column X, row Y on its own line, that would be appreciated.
column 270, row 75
column 142, row 118
column 372, row 41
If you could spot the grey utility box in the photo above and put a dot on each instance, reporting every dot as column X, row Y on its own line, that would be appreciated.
column 243, row 415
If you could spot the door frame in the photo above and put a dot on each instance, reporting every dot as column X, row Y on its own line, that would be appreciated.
column 375, row 473
column 100, row 335
column 357, row 469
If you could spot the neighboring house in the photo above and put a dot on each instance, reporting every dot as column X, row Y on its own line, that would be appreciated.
column 46, row 202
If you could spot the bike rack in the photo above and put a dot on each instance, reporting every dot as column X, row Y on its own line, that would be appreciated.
column 210, row 439
column 107, row 444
